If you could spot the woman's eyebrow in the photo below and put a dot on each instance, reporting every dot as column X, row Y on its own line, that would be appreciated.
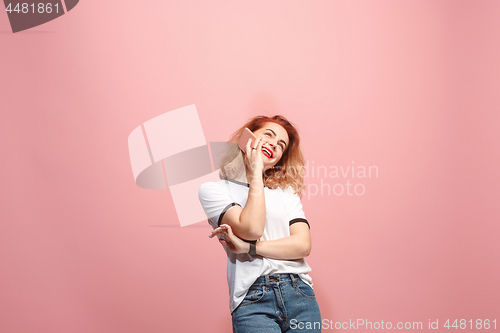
column 271, row 131
column 284, row 143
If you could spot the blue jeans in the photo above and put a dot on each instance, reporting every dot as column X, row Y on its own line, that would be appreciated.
column 278, row 303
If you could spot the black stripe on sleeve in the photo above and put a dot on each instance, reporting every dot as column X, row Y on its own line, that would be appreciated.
column 225, row 210
column 299, row 220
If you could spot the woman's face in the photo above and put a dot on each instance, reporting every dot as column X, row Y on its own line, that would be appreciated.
column 275, row 143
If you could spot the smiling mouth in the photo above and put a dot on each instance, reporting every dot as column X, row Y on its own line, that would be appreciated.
column 267, row 152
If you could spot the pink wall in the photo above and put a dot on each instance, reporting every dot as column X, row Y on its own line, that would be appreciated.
column 410, row 87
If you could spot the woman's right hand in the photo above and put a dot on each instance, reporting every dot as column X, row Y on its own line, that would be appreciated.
column 253, row 157
column 230, row 241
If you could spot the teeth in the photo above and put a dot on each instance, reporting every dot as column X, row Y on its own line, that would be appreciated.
column 268, row 151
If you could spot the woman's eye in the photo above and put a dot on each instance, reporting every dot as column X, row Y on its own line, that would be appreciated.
column 268, row 134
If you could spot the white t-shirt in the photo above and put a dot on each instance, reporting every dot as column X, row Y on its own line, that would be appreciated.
column 283, row 208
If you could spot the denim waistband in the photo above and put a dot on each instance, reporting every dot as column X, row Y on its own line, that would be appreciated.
column 269, row 279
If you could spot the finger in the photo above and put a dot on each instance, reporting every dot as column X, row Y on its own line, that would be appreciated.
column 261, row 142
column 215, row 232
column 257, row 143
column 248, row 147
column 227, row 229
column 259, row 146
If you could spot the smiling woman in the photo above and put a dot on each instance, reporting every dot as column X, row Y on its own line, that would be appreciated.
column 257, row 215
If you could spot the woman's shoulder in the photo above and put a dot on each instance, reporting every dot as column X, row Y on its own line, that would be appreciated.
column 291, row 194
column 210, row 186
column 210, row 191
column 289, row 190
column 218, row 186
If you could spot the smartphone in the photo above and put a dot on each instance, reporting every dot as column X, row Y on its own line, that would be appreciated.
column 247, row 134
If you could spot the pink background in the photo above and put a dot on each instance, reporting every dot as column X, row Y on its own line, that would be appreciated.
column 408, row 86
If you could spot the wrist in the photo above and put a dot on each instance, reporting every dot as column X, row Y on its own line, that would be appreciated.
column 252, row 248
column 257, row 175
column 256, row 185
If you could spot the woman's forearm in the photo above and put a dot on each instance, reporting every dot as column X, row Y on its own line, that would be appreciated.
column 297, row 246
column 253, row 216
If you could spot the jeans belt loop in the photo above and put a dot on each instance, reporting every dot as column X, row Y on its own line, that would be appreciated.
column 294, row 281
column 267, row 281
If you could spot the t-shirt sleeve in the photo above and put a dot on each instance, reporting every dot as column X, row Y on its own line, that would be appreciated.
column 215, row 202
column 295, row 213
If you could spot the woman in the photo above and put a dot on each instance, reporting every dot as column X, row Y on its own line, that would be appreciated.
column 260, row 222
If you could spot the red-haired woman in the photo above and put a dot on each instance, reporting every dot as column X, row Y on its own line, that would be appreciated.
column 259, row 220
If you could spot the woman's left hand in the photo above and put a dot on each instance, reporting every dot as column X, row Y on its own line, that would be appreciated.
column 232, row 242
